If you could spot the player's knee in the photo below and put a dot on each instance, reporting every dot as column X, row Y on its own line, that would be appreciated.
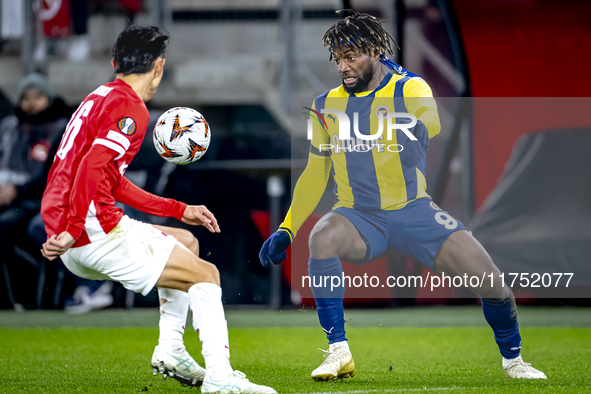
column 204, row 272
column 209, row 273
column 322, row 243
column 193, row 244
column 188, row 239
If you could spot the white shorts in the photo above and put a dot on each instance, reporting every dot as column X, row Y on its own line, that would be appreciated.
column 133, row 253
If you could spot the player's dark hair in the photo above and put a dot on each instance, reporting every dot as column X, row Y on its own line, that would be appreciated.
column 137, row 47
column 359, row 32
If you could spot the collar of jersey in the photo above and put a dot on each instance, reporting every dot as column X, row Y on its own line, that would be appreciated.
column 127, row 86
column 387, row 79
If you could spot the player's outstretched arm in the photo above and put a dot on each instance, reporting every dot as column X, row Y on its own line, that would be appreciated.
column 198, row 215
column 306, row 196
column 129, row 194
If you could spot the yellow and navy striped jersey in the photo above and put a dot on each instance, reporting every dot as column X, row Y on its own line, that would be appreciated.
column 383, row 174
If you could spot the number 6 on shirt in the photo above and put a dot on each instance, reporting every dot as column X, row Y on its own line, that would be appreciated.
column 72, row 129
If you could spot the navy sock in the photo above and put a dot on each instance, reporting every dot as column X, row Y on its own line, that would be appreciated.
column 329, row 296
column 501, row 315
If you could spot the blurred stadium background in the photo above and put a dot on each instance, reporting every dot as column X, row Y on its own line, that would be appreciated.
column 241, row 62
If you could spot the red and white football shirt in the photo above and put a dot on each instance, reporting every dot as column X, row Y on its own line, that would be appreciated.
column 86, row 178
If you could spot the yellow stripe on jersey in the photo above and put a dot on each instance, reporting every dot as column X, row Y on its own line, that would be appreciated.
column 389, row 174
column 381, row 179
column 344, row 192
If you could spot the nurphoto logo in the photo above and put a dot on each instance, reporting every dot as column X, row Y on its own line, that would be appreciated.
column 361, row 142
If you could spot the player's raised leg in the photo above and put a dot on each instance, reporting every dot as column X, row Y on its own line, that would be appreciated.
column 333, row 237
column 462, row 254
column 170, row 357
column 200, row 279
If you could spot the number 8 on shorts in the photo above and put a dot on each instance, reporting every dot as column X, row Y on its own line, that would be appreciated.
column 446, row 220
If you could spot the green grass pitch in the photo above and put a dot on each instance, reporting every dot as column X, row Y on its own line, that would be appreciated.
column 411, row 350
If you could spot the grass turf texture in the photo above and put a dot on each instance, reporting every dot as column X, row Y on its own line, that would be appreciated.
column 450, row 359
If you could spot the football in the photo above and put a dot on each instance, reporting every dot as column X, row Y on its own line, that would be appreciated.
column 181, row 135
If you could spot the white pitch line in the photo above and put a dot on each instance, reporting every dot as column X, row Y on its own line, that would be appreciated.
column 395, row 390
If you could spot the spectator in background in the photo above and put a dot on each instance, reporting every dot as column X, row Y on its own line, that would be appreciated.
column 30, row 139
column 26, row 137
column 6, row 107
column 65, row 25
column 79, row 46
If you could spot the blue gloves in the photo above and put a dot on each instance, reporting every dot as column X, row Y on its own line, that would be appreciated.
column 273, row 250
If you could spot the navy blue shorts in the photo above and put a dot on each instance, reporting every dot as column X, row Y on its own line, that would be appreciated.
column 417, row 231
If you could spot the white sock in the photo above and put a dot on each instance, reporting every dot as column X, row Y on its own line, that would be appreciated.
column 208, row 318
column 173, row 316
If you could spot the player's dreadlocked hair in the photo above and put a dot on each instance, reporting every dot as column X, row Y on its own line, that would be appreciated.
column 360, row 32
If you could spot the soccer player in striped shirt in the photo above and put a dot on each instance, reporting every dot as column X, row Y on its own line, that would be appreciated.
column 382, row 202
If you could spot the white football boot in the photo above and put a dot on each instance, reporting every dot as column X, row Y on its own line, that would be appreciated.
column 339, row 363
column 236, row 382
column 179, row 365
column 516, row 368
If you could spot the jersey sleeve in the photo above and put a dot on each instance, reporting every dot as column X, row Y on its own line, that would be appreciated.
column 319, row 144
column 312, row 183
column 121, row 128
column 130, row 194
column 419, row 101
column 88, row 176
column 307, row 193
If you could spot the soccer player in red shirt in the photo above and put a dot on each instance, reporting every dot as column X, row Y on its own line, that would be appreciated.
column 97, row 241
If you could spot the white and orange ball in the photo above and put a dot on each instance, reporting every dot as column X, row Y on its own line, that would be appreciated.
column 181, row 135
